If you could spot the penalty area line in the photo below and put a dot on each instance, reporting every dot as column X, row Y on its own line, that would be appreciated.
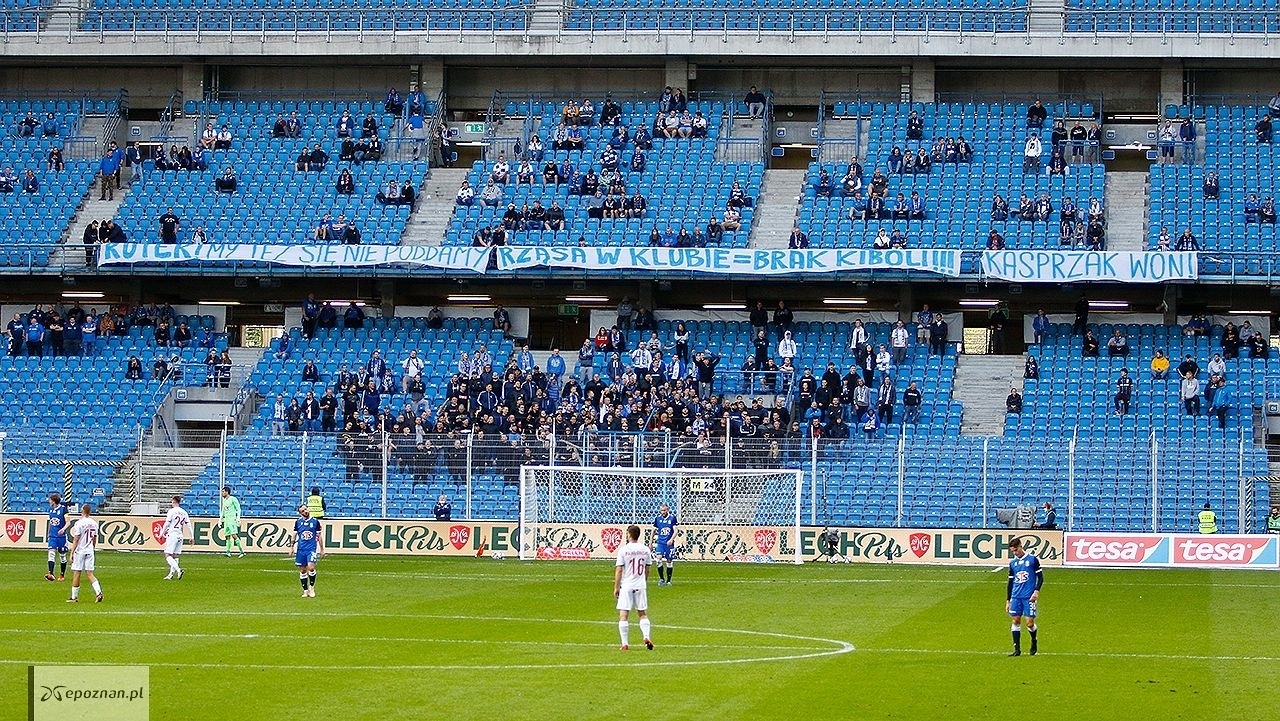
column 1077, row 654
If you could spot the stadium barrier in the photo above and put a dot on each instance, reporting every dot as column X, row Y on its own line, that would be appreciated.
column 705, row 542
column 1182, row 550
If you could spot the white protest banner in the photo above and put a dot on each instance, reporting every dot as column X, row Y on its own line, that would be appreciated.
column 1066, row 266
column 301, row 256
column 745, row 261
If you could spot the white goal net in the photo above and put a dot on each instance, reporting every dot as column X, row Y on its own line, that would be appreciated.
column 569, row 495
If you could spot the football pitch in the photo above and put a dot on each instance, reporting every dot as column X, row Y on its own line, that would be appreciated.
column 432, row 638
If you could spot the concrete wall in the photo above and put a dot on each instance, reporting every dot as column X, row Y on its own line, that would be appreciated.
column 149, row 86
column 345, row 78
column 471, row 87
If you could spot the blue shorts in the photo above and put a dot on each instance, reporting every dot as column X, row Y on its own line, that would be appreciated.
column 1022, row 607
column 666, row 552
column 304, row 557
column 58, row 544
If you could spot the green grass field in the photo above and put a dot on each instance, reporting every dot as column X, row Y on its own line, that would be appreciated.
column 419, row 638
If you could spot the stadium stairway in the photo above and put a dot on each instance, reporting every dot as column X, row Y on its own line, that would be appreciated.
column 167, row 472
column 775, row 209
column 982, row 383
column 427, row 224
column 1045, row 16
column 71, row 252
column 1126, row 208
column 546, row 17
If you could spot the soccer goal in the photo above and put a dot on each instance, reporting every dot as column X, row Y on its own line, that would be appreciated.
column 563, row 495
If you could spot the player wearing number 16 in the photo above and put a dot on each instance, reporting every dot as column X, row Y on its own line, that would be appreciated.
column 1023, row 593
column 630, row 585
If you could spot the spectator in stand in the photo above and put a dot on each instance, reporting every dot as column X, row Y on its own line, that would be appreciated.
column 1187, row 242
column 755, row 102
column 1267, row 211
column 912, row 399
column 346, row 125
column 223, row 141
column 1013, row 402
column 995, row 241
column 310, row 373
column 797, row 240
column 133, row 372
column 787, row 347
column 369, row 128
column 226, row 183
column 1212, row 186
column 823, row 187
column 30, row 183
column 54, row 160
column 1221, row 403
column 1164, row 241
column 1273, row 106
column 1262, row 129
column 1057, row 164
column 209, row 136
column 351, row 234
column 280, row 129
column 999, row 209
column 492, row 195
column 346, row 184
column 353, row 316
column 1079, row 138
column 1189, row 394
column 1031, row 370
column 1090, row 345
column 169, row 224
column 1160, row 366
column 1167, row 141
column 915, row 126
column 1187, row 136
column 466, row 197
column 899, row 338
column 1037, row 115
column 502, row 320
column 1124, row 392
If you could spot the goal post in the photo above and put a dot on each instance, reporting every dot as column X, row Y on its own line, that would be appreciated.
column 712, row 497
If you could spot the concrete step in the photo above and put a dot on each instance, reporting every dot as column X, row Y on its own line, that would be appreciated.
column 72, row 252
column 434, row 211
column 775, row 210
column 981, row 384
column 1126, row 204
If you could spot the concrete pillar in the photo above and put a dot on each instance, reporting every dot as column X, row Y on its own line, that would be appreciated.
column 430, row 76
column 923, row 81
column 677, row 75
column 192, row 81
column 387, row 289
column 1171, row 86
column 1170, row 304
column 906, row 302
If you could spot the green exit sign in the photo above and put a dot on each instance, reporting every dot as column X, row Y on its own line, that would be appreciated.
column 473, row 128
column 568, row 309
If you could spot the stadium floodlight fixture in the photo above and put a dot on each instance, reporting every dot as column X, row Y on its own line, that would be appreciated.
column 844, row 301
column 724, row 306
column 977, row 302
column 586, row 299
column 1109, row 304
column 459, row 298
column 339, row 301
column 1249, row 312
column 217, row 302
column 85, row 294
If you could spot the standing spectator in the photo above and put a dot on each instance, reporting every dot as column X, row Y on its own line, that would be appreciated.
column 17, row 335
column 705, row 363
column 1124, row 392
column 169, row 226
column 1221, row 402
column 898, row 339
column 1187, row 135
column 586, row 360
column 413, row 366
column 1040, row 326
column 1031, row 369
column 782, row 318
column 912, row 398
column 1082, row 316
column 938, row 331
column 886, row 397
column 923, row 320
column 34, row 335
column 787, row 347
column 310, row 316
column 107, row 168
column 759, row 317
column 624, row 314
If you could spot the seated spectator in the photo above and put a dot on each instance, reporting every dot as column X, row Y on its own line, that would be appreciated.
column 394, row 103
column 1273, row 106
column 226, row 183
column 999, row 209
column 995, row 241
column 636, row 207
column 536, row 217
column 732, row 219
column 897, row 239
column 30, row 183
column 346, row 152
column 1160, row 366
column 1031, row 371
column 798, row 240
column 895, row 161
column 1089, row 346
column 27, row 126
column 964, row 150
column 924, row 164
column 879, row 184
column 1043, row 209
column 1187, row 242
column 184, row 158
column 310, row 373
column 1164, row 241
column 738, row 197
column 224, row 139
column 389, row 194
column 346, row 184
column 198, row 161
column 351, row 234
column 466, row 197
column 1197, row 326
column 49, row 128
column 554, row 217
column 54, row 160
column 1031, row 155
column 1096, row 235
column 823, row 187
column 1013, row 402
column 501, row 172
column 318, row 158
column 346, row 125
column 1037, row 115
column 280, row 129
column 321, row 231
column 369, row 127
column 293, row 125
column 133, row 371
column 8, row 181
column 900, row 209
column 1267, row 211
column 881, row 241
column 1262, row 129
column 1118, row 344
column 916, row 208
column 1251, row 206
column 699, row 124
column 875, row 208
column 209, row 136
column 1211, row 186
column 715, row 231
column 492, row 194
column 1057, row 164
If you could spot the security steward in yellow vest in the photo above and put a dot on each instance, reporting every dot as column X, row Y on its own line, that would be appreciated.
column 1208, row 520
column 315, row 503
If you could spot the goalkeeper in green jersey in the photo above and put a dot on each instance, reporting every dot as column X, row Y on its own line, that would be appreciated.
column 231, row 521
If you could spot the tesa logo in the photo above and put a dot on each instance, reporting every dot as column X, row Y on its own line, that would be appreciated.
column 1112, row 549
column 1236, row 551
column 459, row 535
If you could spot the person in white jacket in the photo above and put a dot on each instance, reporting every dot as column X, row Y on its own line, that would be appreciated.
column 1031, row 154
column 786, row 347
column 858, row 336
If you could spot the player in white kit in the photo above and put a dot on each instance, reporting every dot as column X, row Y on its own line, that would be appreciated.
column 630, row 585
column 84, row 540
column 176, row 522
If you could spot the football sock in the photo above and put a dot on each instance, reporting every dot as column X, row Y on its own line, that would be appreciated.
column 311, row 579
column 62, row 565
column 1017, row 637
column 173, row 563
column 662, row 572
column 1033, row 628
column 97, row 587
column 302, row 578
column 645, row 627
column 75, row 592
column 669, row 570
column 623, row 628
column 50, row 563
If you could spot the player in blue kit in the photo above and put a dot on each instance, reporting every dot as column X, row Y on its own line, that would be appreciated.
column 56, row 533
column 664, row 544
column 308, row 548
column 1025, row 579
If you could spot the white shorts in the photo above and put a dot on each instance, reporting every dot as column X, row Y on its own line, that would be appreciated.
column 637, row 598
column 173, row 545
column 82, row 561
